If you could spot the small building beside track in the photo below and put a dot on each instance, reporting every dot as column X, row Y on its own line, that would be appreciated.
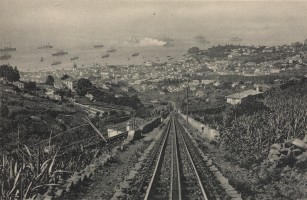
column 238, row 98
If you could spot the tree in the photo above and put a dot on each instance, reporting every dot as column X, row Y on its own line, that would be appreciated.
column 49, row 80
column 193, row 50
column 16, row 74
column 64, row 92
column 84, row 84
column 30, row 85
column 4, row 110
column 65, row 76
column 9, row 73
column 134, row 101
column 98, row 114
column 122, row 83
column 165, row 90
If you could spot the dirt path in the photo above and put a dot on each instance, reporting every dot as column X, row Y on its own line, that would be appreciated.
column 105, row 180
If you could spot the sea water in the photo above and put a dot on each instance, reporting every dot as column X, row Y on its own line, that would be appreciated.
column 29, row 58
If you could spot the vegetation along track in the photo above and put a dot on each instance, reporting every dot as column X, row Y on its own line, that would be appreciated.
column 175, row 169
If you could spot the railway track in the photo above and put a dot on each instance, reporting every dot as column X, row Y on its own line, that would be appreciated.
column 211, row 188
column 175, row 169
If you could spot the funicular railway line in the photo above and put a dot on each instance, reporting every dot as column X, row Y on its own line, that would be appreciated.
column 176, row 170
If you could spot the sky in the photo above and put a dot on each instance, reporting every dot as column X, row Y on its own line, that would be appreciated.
column 69, row 22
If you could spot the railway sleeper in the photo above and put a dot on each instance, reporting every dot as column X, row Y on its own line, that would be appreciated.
column 190, row 189
column 160, row 196
column 190, row 182
column 162, row 183
column 160, row 190
column 192, row 196
column 217, row 187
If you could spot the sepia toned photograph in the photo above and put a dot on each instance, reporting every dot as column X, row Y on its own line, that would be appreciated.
column 153, row 100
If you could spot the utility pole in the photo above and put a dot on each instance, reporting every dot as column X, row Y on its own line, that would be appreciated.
column 188, row 102
column 18, row 137
column 6, row 73
column 133, row 122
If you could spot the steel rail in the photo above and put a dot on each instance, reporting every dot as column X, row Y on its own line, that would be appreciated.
column 175, row 169
column 213, row 190
column 175, row 192
column 151, row 158
column 192, row 163
column 154, row 176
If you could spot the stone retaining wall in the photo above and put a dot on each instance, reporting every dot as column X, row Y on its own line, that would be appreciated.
column 203, row 130
column 146, row 128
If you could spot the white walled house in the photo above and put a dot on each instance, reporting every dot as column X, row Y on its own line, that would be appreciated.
column 69, row 82
column 237, row 98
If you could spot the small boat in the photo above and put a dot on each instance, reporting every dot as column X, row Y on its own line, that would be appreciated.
column 134, row 40
column 60, row 53
column 5, row 56
column 75, row 58
column 166, row 39
column 236, row 39
column 47, row 46
column 6, row 49
column 105, row 55
column 98, row 46
column 56, row 62
column 111, row 50
column 168, row 44
column 42, row 59
column 201, row 39
column 135, row 54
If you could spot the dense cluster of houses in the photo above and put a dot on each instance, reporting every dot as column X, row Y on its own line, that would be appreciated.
column 142, row 78
column 151, row 76
column 284, row 58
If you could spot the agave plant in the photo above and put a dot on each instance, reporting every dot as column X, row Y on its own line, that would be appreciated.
column 21, row 175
